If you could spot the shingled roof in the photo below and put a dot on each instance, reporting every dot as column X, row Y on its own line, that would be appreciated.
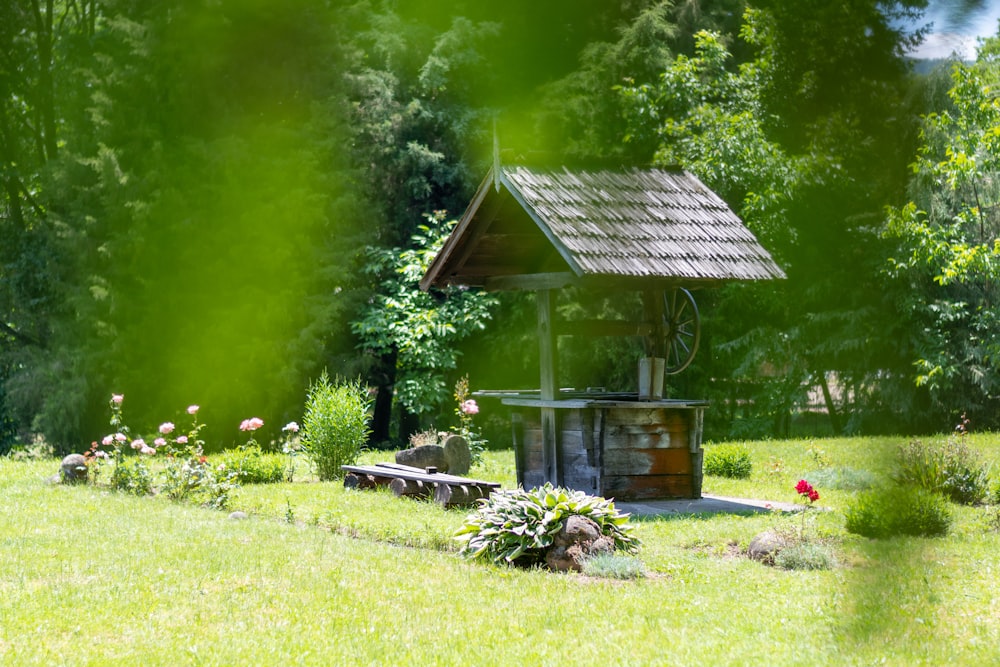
column 636, row 225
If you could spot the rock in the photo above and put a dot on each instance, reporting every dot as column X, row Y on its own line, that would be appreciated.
column 456, row 451
column 238, row 516
column 425, row 456
column 765, row 546
column 579, row 539
column 73, row 469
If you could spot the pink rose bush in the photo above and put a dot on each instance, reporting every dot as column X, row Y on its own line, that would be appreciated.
column 185, row 472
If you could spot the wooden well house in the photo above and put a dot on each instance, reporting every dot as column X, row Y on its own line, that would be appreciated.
column 655, row 231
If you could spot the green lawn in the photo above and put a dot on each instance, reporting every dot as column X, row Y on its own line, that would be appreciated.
column 90, row 577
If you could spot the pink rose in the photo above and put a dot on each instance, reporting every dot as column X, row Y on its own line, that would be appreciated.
column 108, row 439
column 182, row 440
column 251, row 424
column 291, row 427
column 159, row 442
column 138, row 443
column 192, row 409
column 166, row 427
column 147, row 450
column 120, row 437
column 469, row 407
column 117, row 398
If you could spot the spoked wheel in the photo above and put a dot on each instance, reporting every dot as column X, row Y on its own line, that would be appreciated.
column 681, row 329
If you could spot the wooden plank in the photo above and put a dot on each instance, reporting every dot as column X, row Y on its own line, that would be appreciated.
column 649, row 487
column 433, row 477
column 518, row 435
column 531, row 281
column 391, row 471
column 599, row 328
column 640, row 440
column 545, row 301
column 647, row 462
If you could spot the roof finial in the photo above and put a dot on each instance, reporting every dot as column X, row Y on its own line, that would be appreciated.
column 496, row 156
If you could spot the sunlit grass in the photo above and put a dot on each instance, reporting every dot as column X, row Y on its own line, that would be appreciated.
column 361, row 577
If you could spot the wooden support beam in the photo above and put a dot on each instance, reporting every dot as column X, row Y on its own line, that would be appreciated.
column 548, row 365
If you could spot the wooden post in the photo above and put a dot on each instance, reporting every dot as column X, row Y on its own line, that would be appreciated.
column 548, row 367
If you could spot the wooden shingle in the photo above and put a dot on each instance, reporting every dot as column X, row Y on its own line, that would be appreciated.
column 528, row 224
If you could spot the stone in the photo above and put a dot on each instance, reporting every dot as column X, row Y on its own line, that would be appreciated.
column 73, row 469
column 425, row 456
column 579, row 539
column 456, row 451
column 765, row 546
column 238, row 516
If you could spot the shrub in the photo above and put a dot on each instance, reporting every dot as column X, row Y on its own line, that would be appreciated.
column 519, row 526
column 253, row 466
column 804, row 555
column 132, row 475
column 951, row 468
column 335, row 426
column 898, row 510
column 731, row 461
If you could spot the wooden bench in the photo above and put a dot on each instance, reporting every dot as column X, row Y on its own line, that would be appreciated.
column 448, row 490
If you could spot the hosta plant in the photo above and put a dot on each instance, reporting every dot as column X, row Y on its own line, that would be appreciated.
column 518, row 526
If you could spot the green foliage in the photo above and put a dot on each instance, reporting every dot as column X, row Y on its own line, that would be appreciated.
column 728, row 460
column 805, row 555
column 419, row 328
column 951, row 468
column 251, row 465
column 890, row 511
column 613, row 566
column 945, row 265
column 132, row 475
column 335, row 425
column 518, row 526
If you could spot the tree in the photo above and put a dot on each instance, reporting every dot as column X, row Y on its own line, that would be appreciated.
column 945, row 269
column 418, row 331
column 799, row 182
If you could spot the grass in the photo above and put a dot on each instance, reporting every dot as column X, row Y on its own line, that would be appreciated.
column 91, row 577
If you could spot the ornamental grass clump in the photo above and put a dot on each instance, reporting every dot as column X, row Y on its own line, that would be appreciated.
column 951, row 468
column 335, row 425
column 518, row 526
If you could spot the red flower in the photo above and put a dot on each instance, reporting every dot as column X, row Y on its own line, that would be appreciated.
column 803, row 487
column 813, row 495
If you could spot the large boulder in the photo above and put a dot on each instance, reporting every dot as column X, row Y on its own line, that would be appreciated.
column 73, row 469
column 579, row 539
column 425, row 456
column 456, row 450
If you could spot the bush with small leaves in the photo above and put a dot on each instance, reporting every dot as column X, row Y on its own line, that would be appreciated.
column 253, row 466
column 728, row 460
column 518, row 526
column 898, row 510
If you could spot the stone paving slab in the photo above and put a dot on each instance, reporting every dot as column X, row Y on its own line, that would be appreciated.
column 707, row 504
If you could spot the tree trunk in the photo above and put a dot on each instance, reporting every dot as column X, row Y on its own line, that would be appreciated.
column 831, row 407
column 384, row 376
